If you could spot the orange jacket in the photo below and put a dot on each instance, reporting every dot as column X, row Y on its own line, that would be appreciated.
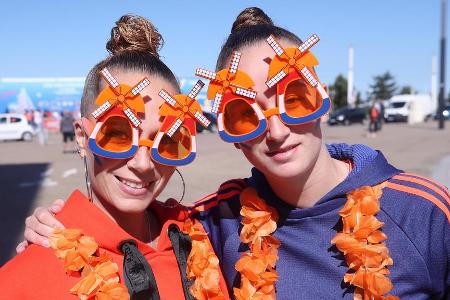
column 38, row 274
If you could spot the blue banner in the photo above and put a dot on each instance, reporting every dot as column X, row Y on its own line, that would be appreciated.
column 58, row 94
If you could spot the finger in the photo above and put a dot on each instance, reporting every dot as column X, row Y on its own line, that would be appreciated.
column 32, row 237
column 44, row 216
column 21, row 246
column 34, row 225
column 57, row 206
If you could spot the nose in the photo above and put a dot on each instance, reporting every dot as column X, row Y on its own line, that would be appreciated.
column 141, row 161
column 277, row 131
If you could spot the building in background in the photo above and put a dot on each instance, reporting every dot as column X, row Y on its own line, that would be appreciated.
column 46, row 94
column 60, row 94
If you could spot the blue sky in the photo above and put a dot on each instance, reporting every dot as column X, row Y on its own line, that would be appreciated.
column 66, row 38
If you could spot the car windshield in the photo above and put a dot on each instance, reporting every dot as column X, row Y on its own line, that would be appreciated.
column 397, row 104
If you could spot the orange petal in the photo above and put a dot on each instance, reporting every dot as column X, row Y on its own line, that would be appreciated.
column 71, row 234
column 73, row 261
column 112, row 291
column 376, row 237
column 87, row 246
column 88, row 286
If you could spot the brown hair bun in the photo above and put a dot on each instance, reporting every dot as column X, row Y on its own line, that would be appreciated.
column 249, row 17
column 134, row 33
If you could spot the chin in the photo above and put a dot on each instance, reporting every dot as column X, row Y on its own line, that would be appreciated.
column 285, row 171
column 131, row 205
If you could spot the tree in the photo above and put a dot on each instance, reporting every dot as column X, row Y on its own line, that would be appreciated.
column 384, row 86
column 358, row 100
column 407, row 90
column 338, row 92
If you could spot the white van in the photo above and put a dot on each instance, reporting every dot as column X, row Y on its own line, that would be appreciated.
column 15, row 127
column 409, row 108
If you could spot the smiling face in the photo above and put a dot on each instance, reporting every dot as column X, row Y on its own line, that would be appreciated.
column 283, row 151
column 129, row 185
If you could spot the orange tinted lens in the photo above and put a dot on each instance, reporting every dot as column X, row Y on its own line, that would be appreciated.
column 301, row 99
column 176, row 147
column 239, row 117
column 115, row 135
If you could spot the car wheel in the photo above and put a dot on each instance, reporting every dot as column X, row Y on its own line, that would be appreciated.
column 346, row 122
column 27, row 136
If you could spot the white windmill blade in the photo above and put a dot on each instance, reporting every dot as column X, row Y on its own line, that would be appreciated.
column 234, row 63
column 275, row 45
column 109, row 78
column 174, row 127
column 196, row 89
column 102, row 109
column 245, row 92
column 275, row 79
column 168, row 98
column 132, row 117
column 216, row 104
column 202, row 119
column 311, row 41
column 140, row 86
column 205, row 74
column 309, row 76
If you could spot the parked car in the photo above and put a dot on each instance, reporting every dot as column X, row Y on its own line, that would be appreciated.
column 445, row 113
column 15, row 127
column 347, row 116
column 409, row 108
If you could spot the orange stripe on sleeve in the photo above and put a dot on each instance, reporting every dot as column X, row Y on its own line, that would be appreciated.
column 425, row 183
column 421, row 193
column 230, row 185
column 428, row 179
column 230, row 194
column 204, row 199
column 203, row 207
column 200, row 207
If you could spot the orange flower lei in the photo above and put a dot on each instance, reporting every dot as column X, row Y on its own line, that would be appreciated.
column 202, row 264
column 257, row 266
column 361, row 242
column 99, row 275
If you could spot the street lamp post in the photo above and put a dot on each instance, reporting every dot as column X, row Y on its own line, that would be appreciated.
column 442, row 65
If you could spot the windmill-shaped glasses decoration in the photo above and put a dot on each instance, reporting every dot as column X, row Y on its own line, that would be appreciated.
column 228, row 87
column 286, row 68
column 175, row 142
column 116, row 133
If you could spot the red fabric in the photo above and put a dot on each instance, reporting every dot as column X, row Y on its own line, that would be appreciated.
column 373, row 113
column 38, row 274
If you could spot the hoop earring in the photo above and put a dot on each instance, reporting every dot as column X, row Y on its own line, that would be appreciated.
column 88, row 181
column 182, row 195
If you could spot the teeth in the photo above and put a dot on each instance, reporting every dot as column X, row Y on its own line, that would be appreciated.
column 132, row 184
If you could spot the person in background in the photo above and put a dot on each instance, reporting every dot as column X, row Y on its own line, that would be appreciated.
column 67, row 130
column 381, row 110
column 38, row 119
column 29, row 116
column 374, row 119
